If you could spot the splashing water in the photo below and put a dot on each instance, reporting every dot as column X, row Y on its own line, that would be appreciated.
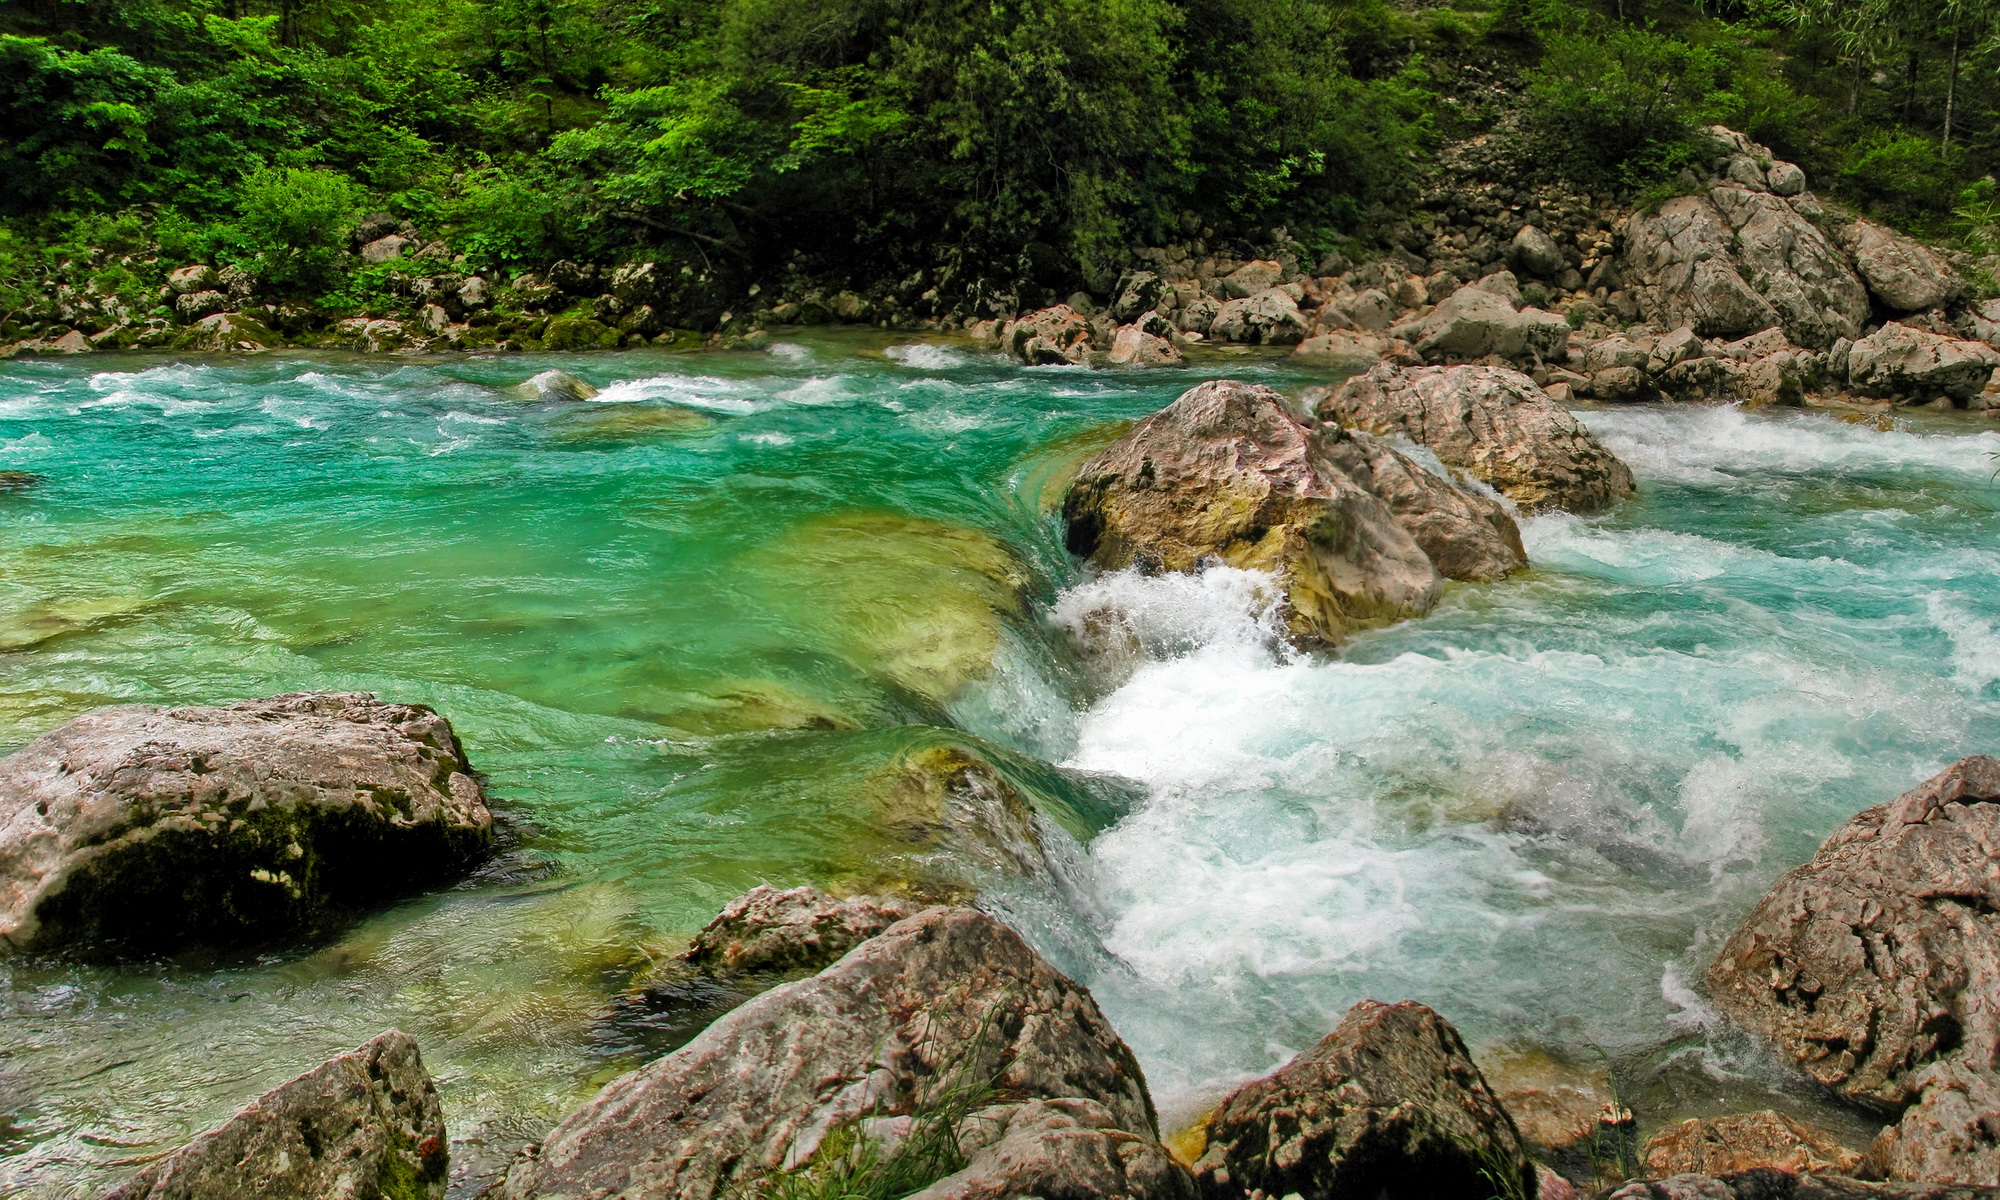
column 682, row 626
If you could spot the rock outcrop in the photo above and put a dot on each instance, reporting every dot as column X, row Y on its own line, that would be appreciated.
column 363, row 1124
column 945, row 1001
column 1490, row 422
column 1901, row 362
column 1228, row 474
column 1388, row 1106
column 1764, row 1183
column 1724, row 1145
column 1951, row 1134
column 139, row 829
column 1059, row 1148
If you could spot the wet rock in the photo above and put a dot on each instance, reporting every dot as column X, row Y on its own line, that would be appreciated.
column 1475, row 322
column 1722, row 1145
column 1881, row 954
column 1133, row 347
column 363, row 1124
column 1711, row 379
column 1765, row 1183
column 1571, row 1117
column 1388, row 1105
column 1227, row 473
column 1904, row 275
column 1536, row 253
column 1049, row 337
column 1466, row 536
column 138, row 829
column 1951, row 1135
column 768, row 930
column 947, row 998
column 1899, row 362
column 1490, row 422
column 556, row 387
column 609, row 423
column 1268, row 318
column 20, row 481
column 1054, row 1148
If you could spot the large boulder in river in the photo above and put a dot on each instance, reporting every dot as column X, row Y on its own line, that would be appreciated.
column 768, row 930
column 1491, row 422
column 1388, row 1106
column 1882, row 954
column 946, row 1006
column 1900, row 362
column 1743, row 1142
column 1951, row 1135
column 1465, row 535
column 138, row 829
column 1904, row 275
column 557, row 387
column 362, row 1124
column 1226, row 473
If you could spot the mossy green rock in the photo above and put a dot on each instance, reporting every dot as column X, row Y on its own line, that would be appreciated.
column 136, row 830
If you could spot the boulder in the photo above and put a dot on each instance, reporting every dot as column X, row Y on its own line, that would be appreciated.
column 946, row 1001
column 1466, row 536
column 637, row 283
column 1674, row 349
column 1251, row 278
column 73, row 342
column 1794, row 266
column 362, row 1124
column 768, row 930
column 1388, row 1106
column 1057, row 1148
column 1474, row 322
column 384, row 249
column 1951, row 1135
column 229, row 331
column 371, row 335
column 1903, row 363
column 1981, row 322
column 1709, row 379
column 20, row 481
column 1570, row 1115
column 473, row 292
column 555, row 387
column 199, row 304
column 1490, row 422
column 1138, row 292
column 1050, row 336
column 1903, row 275
column 1882, row 953
column 1766, row 1183
column 195, row 278
column 1536, row 253
column 1341, row 351
column 1269, row 318
column 1197, row 315
column 1227, row 473
column 1134, row 347
column 1721, row 1145
column 138, row 829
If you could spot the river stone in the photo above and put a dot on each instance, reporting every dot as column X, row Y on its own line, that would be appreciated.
column 1951, row 1135
column 1139, row 292
column 1474, row 322
column 1465, row 535
column 555, row 387
column 362, row 1125
column 1252, row 278
column 138, row 829
column 768, row 930
column 1766, row 1183
column 1227, row 473
column 1135, row 347
column 1059, row 1148
column 1050, row 336
column 1388, row 1106
column 1491, row 422
column 1901, row 362
column 1269, row 318
column 947, row 995
column 1721, row 1145
column 1904, row 275
column 1882, row 953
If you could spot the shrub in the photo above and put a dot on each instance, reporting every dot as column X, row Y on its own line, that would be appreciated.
column 296, row 223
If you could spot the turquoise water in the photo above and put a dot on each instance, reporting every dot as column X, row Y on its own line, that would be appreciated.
column 687, row 629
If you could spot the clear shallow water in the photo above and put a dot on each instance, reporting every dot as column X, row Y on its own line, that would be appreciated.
column 685, row 629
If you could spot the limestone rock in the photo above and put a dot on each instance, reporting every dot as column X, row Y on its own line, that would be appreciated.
column 1795, row 267
column 1227, row 473
column 947, row 995
column 1901, row 362
column 384, row 249
column 197, row 278
column 73, row 342
column 371, row 335
column 1133, row 347
column 1268, row 318
column 1387, row 1106
column 137, row 829
column 363, row 1124
column 1491, row 422
column 1465, row 535
column 1904, row 275
column 1882, row 953
column 1765, row 1183
column 1721, row 1145
column 1050, row 336
column 1340, row 351
column 1251, row 278
column 191, row 305
column 768, row 930
column 1536, row 253
column 1139, row 292
column 1474, row 323
column 1951, row 1135
column 555, row 387
column 229, row 331
column 1056, row 1148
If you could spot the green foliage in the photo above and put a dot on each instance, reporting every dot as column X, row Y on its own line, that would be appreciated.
column 296, row 221
column 1903, row 171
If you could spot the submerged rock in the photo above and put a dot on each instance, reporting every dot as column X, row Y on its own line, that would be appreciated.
column 945, row 1001
column 1388, row 1106
column 1226, row 473
column 768, row 930
column 1877, row 957
column 555, row 387
column 138, row 829
column 1722, row 1145
column 634, row 422
column 20, row 481
column 1491, row 422
column 1568, row 1114
column 364, row 1124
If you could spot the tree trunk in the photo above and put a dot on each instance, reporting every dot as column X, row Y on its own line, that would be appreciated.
column 1910, row 88
column 1854, row 88
column 1951, row 90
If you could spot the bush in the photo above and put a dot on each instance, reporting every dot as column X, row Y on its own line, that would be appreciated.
column 296, row 223
column 1900, row 174
column 1619, row 106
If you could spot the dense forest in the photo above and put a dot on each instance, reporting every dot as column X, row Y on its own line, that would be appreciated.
column 1035, row 139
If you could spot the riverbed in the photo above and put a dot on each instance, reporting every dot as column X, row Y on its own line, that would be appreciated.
column 682, row 628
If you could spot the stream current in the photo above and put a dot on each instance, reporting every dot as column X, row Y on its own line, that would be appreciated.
column 683, row 627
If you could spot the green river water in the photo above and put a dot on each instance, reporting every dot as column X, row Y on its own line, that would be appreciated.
column 689, row 629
